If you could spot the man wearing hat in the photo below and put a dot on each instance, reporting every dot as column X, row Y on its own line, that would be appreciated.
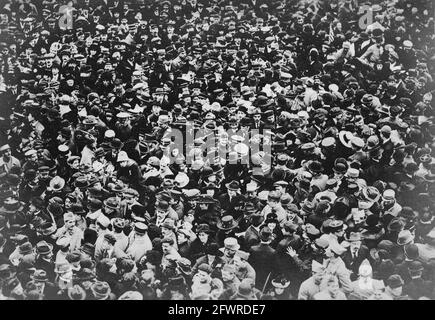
column 227, row 226
column 391, row 208
column 417, row 287
column 310, row 287
column 7, row 161
column 44, row 259
column 427, row 250
column 139, row 242
column 233, row 189
column 213, row 258
column 102, row 228
column 70, row 231
column 394, row 288
column 274, row 205
column 355, row 254
column 129, row 169
column 335, row 266
column 263, row 258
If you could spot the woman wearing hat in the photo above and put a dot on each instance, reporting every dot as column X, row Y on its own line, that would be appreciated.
column 227, row 227
column 203, row 240
column 213, row 258
column 207, row 211
column 280, row 289
column 273, row 224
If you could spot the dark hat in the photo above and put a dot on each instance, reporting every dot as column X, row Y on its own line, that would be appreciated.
column 25, row 248
column 213, row 249
column 395, row 225
column 395, row 281
column 140, row 227
column 415, row 266
column 203, row 228
column 411, row 251
column 100, row 290
column 227, row 223
column 408, row 213
column 44, row 248
column 315, row 166
column 266, row 234
column 111, row 203
column 110, row 238
column 205, row 267
column 233, row 185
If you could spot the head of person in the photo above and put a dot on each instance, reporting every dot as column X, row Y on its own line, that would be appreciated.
column 167, row 244
column 228, row 272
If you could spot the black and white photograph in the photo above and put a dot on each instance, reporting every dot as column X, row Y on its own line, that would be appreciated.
column 223, row 150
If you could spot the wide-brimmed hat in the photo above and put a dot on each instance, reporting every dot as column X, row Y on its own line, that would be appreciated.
column 396, row 225
column 111, row 203
column 371, row 194
column 408, row 213
column 315, row 166
column 25, row 248
column 44, row 248
column 266, row 234
column 57, row 183
column 181, row 180
column 203, row 228
column 40, row 276
column 280, row 282
column 404, row 237
column 233, row 185
column 227, row 223
column 100, row 290
column 48, row 228
column 345, row 138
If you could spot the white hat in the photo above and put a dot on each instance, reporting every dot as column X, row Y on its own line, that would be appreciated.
column 407, row 43
column 352, row 172
column 389, row 194
column 182, row 179
column 317, row 267
column 241, row 148
column 109, row 134
column 103, row 220
column 4, row 147
column 122, row 156
column 252, row 186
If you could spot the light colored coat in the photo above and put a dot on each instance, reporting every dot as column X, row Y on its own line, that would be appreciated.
column 138, row 246
column 308, row 289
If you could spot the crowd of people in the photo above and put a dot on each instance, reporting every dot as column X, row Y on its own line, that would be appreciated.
column 222, row 150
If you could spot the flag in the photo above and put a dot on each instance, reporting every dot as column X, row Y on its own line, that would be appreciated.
column 331, row 34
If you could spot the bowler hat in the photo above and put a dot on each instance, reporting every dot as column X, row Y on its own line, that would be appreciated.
column 411, row 251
